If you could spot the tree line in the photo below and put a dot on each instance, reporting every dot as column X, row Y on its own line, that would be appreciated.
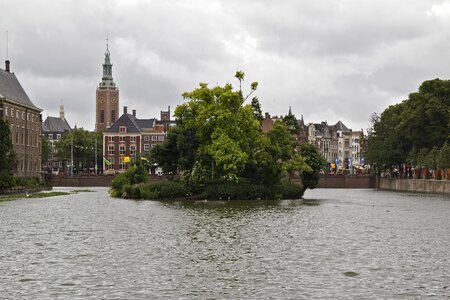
column 414, row 133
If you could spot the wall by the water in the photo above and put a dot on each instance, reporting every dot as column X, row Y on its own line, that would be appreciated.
column 348, row 182
column 415, row 185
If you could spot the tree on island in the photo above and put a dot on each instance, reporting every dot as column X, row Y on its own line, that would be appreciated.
column 218, row 149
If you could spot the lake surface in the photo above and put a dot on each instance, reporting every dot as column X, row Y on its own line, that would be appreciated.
column 337, row 244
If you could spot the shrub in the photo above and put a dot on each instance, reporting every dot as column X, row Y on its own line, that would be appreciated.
column 6, row 180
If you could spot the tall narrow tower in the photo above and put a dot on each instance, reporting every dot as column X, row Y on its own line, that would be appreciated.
column 107, row 97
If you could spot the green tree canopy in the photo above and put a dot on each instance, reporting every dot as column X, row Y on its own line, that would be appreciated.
column 8, row 161
column 82, row 142
column 420, row 122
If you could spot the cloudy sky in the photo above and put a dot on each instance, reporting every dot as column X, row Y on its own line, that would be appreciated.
column 328, row 60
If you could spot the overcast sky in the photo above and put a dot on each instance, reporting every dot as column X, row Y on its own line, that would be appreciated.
column 328, row 60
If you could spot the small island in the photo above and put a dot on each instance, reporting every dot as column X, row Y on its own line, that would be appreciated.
column 217, row 150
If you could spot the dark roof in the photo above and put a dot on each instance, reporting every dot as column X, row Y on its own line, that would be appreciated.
column 11, row 89
column 146, row 123
column 127, row 120
column 53, row 124
column 340, row 126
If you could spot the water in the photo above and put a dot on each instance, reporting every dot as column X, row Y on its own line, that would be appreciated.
column 339, row 244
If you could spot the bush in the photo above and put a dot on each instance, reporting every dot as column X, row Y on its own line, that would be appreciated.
column 6, row 180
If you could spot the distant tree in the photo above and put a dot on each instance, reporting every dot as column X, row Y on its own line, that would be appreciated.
column 443, row 160
column 8, row 161
column 404, row 129
column 81, row 143
column 46, row 149
column 291, row 122
column 315, row 160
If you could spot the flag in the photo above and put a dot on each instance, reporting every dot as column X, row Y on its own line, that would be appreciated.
column 144, row 158
column 126, row 159
column 107, row 162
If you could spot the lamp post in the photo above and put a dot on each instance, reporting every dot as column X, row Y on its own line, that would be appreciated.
column 95, row 168
column 71, row 156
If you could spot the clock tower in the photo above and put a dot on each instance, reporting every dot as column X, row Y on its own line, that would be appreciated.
column 107, row 97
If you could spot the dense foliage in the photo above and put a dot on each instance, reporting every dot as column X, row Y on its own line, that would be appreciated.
column 8, row 161
column 82, row 142
column 217, row 150
column 414, row 131
column 218, row 136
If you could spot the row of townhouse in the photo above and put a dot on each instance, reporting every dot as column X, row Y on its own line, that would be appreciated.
column 340, row 146
column 130, row 137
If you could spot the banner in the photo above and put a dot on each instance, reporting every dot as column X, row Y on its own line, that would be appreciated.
column 107, row 162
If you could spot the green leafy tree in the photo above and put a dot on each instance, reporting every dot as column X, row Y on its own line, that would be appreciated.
column 8, row 161
column 46, row 149
column 216, row 133
column 315, row 160
column 291, row 122
column 443, row 159
column 81, row 143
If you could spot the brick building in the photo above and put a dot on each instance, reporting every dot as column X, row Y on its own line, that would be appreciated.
column 107, row 97
column 130, row 137
column 25, row 121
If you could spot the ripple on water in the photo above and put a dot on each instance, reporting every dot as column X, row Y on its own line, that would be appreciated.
column 334, row 244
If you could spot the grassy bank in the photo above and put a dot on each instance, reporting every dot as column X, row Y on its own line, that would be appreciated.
column 218, row 190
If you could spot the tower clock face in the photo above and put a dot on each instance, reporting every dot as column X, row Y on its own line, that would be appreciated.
column 113, row 100
column 102, row 99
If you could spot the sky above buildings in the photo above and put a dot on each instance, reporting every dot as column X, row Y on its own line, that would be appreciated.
column 328, row 60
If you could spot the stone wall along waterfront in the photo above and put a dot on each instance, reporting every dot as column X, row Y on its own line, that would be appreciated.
column 416, row 185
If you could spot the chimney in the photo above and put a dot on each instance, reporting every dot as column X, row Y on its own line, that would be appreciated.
column 125, row 109
column 134, row 112
column 7, row 66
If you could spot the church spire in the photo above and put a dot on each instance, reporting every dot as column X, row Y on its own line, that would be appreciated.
column 107, row 79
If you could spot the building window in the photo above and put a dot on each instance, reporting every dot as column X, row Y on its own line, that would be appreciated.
column 121, row 165
column 110, row 149
column 146, row 147
column 132, row 150
column 111, row 166
column 132, row 139
column 6, row 111
column 50, row 136
column 122, row 139
column 122, row 150
column 17, row 114
column 113, row 116
column 122, row 129
column 153, row 146
column 23, row 116
column 58, row 136
column 147, row 138
column 110, row 139
column 154, row 138
column 161, row 138
column 102, row 116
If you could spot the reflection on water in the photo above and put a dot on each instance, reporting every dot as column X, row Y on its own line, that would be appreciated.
column 358, row 244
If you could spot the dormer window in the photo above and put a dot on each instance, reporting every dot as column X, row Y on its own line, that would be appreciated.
column 122, row 129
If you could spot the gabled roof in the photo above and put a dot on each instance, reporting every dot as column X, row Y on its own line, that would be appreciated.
column 146, row 123
column 53, row 124
column 339, row 126
column 11, row 89
column 127, row 120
